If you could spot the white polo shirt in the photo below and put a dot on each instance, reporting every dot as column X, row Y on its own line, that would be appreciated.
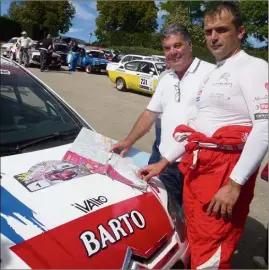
column 25, row 42
column 174, row 112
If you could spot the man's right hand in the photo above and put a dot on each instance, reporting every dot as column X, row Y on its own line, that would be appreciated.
column 153, row 170
column 122, row 147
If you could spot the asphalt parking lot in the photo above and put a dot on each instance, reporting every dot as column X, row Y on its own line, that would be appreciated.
column 113, row 114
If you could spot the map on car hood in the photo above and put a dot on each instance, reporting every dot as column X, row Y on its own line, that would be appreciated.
column 91, row 149
column 89, row 154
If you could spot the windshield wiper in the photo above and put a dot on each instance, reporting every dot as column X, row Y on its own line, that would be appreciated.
column 57, row 135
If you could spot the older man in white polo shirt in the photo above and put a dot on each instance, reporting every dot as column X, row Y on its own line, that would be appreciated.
column 24, row 43
column 174, row 99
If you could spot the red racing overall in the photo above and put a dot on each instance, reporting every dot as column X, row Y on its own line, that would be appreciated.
column 207, row 165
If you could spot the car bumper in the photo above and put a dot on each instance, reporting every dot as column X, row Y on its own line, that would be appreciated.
column 5, row 53
column 100, row 68
column 51, row 64
column 174, row 253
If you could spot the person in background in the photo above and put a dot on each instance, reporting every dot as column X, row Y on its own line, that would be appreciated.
column 46, row 46
column 174, row 100
column 24, row 43
column 75, row 55
column 223, row 145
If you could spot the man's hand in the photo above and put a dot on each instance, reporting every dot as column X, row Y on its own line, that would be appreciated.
column 152, row 170
column 224, row 200
column 122, row 146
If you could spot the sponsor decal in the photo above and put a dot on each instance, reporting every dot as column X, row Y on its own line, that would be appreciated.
column 259, row 116
column 266, row 85
column 219, row 96
column 263, row 106
column 95, row 242
column 258, row 98
column 60, row 247
column 87, row 205
column 244, row 137
column 146, row 83
column 223, row 80
column 198, row 95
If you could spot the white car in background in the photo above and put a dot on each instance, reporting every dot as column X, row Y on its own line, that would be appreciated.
column 87, row 216
column 112, row 66
column 7, row 48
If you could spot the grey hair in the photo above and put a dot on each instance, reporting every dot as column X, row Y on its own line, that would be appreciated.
column 176, row 29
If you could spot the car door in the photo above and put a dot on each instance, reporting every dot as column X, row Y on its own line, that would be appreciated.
column 131, row 75
column 147, row 77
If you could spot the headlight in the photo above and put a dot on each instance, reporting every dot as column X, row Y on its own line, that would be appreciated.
column 176, row 214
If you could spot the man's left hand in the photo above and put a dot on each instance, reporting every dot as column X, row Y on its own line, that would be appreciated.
column 224, row 200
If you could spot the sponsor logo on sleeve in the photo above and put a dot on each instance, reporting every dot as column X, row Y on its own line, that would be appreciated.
column 259, row 116
column 258, row 98
column 262, row 106
column 199, row 95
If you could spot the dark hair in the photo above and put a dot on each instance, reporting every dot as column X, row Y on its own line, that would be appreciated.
column 230, row 6
column 175, row 29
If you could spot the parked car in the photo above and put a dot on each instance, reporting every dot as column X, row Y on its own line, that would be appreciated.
column 138, row 75
column 127, row 58
column 54, row 59
column 88, row 222
column 160, row 58
column 91, row 61
column 6, row 48
column 61, row 49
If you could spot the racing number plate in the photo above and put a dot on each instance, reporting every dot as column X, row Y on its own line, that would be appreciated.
column 145, row 83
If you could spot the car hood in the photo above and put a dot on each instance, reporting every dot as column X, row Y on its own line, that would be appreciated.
column 37, row 52
column 100, row 60
column 7, row 45
column 86, row 222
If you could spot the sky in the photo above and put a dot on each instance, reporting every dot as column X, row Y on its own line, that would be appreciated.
column 84, row 21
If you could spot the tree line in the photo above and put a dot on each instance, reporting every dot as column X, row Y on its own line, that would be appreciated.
column 134, row 23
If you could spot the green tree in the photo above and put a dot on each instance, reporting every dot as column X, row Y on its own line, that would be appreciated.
column 125, row 18
column 188, row 13
column 255, row 16
column 50, row 16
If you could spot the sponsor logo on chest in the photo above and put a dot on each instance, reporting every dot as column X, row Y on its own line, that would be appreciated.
column 224, row 80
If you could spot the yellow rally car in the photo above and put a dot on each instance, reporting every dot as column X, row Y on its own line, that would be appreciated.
column 137, row 75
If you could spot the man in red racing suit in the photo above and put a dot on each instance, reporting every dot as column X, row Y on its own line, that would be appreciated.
column 224, row 143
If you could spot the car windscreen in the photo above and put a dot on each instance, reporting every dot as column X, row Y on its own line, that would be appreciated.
column 160, row 67
column 108, row 53
column 13, row 40
column 29, row 111
column 97, row 54
column 61, row 47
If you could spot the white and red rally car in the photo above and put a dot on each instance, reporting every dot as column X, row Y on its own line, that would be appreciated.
column 92, row 214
